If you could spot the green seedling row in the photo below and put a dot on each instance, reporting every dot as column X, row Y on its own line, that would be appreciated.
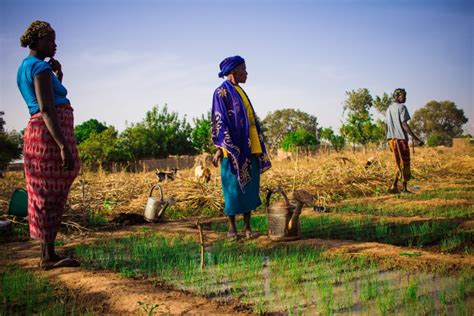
column 294, row 280
column 429, row 195
column 365, row 229
column 448, row 211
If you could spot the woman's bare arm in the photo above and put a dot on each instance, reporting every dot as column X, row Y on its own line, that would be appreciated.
column 45, row 96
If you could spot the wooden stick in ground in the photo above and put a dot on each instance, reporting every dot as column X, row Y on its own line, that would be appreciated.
column 201, row 243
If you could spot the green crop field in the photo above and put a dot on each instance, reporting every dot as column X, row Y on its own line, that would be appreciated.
column 290, row 279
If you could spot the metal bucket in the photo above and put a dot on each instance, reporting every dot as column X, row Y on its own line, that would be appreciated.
column 279, row 215
column 155, row 206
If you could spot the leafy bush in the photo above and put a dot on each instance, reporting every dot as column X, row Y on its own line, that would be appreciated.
column 300, row 137
column 9, row 148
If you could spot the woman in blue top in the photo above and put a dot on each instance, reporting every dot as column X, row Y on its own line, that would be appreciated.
column 51, row 160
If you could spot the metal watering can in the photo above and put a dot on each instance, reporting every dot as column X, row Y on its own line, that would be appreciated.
column 156, row 206
column 284, row 217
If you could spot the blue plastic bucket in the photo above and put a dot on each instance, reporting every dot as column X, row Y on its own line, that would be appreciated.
column 18, row 203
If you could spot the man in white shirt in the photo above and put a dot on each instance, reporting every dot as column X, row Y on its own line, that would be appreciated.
column 396, row 125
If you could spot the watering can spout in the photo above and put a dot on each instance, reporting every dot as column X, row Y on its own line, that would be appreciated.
column 162, row 211
column 301, row 198
column 167, row 202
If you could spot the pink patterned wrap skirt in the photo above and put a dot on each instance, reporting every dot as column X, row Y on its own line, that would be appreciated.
column 47, row 183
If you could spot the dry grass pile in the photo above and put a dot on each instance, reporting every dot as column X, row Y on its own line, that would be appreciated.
column 330, row 177
column 337, row 176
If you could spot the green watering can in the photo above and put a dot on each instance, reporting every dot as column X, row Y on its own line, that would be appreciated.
column 18, row 203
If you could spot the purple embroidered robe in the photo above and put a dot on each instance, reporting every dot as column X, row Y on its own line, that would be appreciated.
column 230, row 130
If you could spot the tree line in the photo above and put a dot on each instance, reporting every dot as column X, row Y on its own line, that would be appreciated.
column 163, row 132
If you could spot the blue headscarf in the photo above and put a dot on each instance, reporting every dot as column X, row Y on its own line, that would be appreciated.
column 228, row 64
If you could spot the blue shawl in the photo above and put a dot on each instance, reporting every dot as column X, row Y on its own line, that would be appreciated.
column 230, row 130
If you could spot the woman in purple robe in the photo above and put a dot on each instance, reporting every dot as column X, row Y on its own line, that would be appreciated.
column 237, row 135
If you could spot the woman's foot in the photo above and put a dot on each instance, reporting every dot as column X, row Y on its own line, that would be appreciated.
column 405, row 188
column 250, row 234
column 63, row 262
column 56, row 257
column 393, row 190
column 232, row 235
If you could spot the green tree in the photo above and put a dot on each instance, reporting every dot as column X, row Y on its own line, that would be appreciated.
column 359, row 101
column 160, row 134
column 337, row 141
column 84, row 130
column 359, row 127
column 9, row 149
column 379, row 135
column 2, row 122
column 439, row 122
column 10, row 145
column 102, row 148
column 139, row 141
column 381, row 104
column 298, row 138
column 326, row 133
column 434, row 140
column 276, row 125
column 201, row 134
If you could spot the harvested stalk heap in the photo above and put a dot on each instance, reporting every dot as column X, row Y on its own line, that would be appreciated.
column 329, row 178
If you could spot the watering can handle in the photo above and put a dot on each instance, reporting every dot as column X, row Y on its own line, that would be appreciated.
column 269, row 195
column 153, row 188
column 278, row 190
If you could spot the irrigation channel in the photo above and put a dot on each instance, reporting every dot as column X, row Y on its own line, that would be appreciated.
column 291, row 279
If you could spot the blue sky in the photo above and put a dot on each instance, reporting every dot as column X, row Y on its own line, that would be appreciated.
column 122, row 57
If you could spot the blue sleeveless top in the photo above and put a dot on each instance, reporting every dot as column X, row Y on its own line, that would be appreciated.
column 30, row 67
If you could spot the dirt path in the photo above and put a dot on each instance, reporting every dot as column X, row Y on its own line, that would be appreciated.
column 107, row 293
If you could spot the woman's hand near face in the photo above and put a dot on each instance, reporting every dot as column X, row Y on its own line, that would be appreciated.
column 56, row 67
